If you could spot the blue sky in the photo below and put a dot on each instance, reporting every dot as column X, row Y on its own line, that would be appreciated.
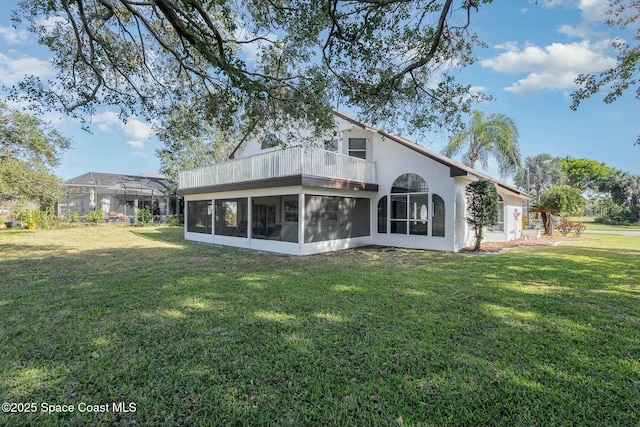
column 534, row 53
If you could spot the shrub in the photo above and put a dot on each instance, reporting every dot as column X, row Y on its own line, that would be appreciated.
column 175, row 220
column 34, row 218
column 96, row 217
column 482, row 201
column 578, row 228
column 73, row 218
column 144, row 217
column 565, row 226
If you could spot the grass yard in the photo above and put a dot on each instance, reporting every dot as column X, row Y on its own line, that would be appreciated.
column 591, row 224
column 192, row 334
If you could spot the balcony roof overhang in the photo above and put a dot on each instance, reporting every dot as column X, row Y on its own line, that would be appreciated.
column 286, row 181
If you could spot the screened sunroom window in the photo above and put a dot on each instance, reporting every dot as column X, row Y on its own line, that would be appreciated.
column 231, row 217
column 199, row 216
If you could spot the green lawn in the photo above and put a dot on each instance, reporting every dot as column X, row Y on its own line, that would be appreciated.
column 590, row 223
column 194, row 334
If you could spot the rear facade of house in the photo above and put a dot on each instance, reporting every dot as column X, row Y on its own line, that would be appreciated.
column 365, row 187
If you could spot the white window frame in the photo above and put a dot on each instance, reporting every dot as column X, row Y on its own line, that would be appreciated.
column 353, row 151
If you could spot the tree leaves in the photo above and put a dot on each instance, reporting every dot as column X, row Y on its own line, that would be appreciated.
column 29, row 148
column 494, row 135
column 267, row 62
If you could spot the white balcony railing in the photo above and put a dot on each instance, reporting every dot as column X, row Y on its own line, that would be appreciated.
column 298, row 160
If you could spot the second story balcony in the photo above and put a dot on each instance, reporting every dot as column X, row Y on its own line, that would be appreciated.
column 287, row 162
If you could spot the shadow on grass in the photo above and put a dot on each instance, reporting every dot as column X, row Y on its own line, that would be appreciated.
column 199, row 334
column 174, row 235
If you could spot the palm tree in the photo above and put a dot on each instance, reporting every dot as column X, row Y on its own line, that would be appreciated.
column 540, row 173
column 495, row 135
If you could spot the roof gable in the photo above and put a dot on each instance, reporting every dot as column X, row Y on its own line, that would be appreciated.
column 456, row 169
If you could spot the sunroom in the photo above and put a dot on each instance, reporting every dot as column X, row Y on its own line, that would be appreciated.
column 298, row 200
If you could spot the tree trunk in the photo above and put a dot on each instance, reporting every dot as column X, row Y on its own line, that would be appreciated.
column 478, row 241
column 546, row 221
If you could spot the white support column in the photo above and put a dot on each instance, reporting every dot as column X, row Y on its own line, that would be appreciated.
column 213, row 220
column 300, row 222
column 430, row 214
column 249, row 218
column 185, row 216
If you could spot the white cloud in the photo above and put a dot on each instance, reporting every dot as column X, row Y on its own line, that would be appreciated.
column 13, row 70
column 477, row 89
column 590, row 10
column 535, row 83
column 106, row 119
column 12, row 35
column 551, row 67
column 554, row 3
column 507, row 46
column 136, row 130
column 581, row 31
column 136, row 144
column 594, row 10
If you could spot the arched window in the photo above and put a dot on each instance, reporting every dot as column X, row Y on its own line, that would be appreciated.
column 382, row 215
column 409, row 183
column 437, row 226
column 409, row 205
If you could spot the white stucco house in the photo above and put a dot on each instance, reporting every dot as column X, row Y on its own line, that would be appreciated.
column 365, row 187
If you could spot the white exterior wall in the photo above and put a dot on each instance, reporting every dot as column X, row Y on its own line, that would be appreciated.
column 512, row 221
column 464, row 235
column 345, row 130
column 393, row 160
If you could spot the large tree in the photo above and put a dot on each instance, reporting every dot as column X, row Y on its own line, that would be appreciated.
column 625, row 15
column 540, row 173
column 624, row 190
column 263, row 62
column 585, row 174
column 29, row 150
column 187, row 143
column 494, row 135
column 559, row 199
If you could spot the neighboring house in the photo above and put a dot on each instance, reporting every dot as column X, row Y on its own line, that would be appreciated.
column 366, row 187
column 120, row 196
